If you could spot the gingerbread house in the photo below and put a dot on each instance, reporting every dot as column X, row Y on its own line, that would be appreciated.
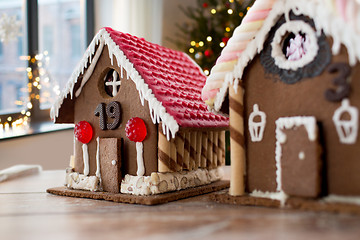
column 140, row 125
column 290, row 75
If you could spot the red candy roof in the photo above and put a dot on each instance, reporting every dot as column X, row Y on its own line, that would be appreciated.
column 175, row 80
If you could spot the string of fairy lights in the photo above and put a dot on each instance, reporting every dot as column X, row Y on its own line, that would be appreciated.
column 38, row 77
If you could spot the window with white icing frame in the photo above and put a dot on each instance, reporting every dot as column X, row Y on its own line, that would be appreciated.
column 109, row 84
column 294, row 45
column 41, row 38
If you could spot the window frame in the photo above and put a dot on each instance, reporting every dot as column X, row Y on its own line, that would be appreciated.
column 30, row 11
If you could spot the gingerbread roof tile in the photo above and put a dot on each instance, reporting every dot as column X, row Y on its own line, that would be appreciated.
column 169, row 80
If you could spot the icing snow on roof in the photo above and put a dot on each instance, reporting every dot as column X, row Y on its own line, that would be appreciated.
column 168, row 80
column 336, row 18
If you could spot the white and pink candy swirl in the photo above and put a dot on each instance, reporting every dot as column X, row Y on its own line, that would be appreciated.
column 242, row 35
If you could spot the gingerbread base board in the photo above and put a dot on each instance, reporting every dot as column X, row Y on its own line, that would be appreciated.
column 291, row 203
column 144, row 200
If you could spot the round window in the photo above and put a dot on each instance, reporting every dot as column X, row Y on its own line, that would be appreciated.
column 294, row 45
column 112, row 83
column 294, row 50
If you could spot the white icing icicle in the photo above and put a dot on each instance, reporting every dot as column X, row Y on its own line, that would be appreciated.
column 98, row 158
column 139, row 159
column 90, row 69
column 85, row 159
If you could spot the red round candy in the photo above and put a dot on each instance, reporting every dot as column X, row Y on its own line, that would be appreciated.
column 83, row 132
column 135, row 129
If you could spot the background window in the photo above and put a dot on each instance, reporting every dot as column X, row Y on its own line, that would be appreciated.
column 76, row 48
column 46, row 42
column 1, row 51
column 61, row 45
column 47, row 35
column 13, row 78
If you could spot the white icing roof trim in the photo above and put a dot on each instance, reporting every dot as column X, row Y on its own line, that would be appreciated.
column 325, row 20
column 157, row 111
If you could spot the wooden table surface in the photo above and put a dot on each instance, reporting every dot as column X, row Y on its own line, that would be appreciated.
column 28, row 212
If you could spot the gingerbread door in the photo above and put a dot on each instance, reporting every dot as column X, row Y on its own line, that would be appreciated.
column 298, row 156
column 110, row 163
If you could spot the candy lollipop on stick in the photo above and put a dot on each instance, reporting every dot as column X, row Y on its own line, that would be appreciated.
column 83, row 133
column 136, row 131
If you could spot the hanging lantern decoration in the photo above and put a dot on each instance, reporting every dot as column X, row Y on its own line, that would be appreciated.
column 83, row 133
column 136, row 132
column 347, row 130
column 257, row 128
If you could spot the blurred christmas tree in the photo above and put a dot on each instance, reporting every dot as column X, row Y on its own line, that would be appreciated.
column 212, row 24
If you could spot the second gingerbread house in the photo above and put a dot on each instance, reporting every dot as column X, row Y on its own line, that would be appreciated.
column 291, row 75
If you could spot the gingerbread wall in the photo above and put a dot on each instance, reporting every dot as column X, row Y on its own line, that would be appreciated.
column 341, row 165
column 92, row 94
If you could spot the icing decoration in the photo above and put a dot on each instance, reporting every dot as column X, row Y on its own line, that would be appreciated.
column 136, row 131
column 347, row 130
column 301, row 155
column 256, row 129
column 112, row 83
column 280, row 196
column 98, row 173
column 311, row 64
column 83, row 64
column 297, row 27
column 288, row 123
column 169, row 181
column 343, row 90
column 83, row 133
column 139, row 159
column 168, row 80
column 342, row 26
column 75, row 180
column 342, row 199
column 85, row 151
column 113, row 110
